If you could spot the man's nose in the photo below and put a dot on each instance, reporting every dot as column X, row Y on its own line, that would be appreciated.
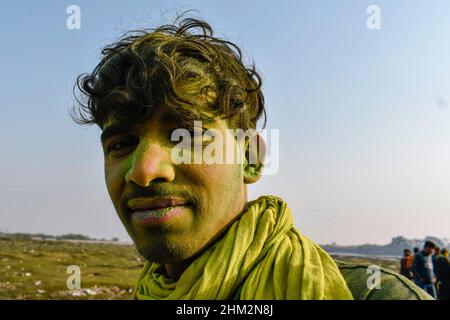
column 150, row 162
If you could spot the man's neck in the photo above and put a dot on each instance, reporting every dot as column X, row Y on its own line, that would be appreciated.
column 175, row 270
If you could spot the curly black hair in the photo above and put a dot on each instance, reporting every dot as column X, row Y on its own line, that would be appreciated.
column 181, row 66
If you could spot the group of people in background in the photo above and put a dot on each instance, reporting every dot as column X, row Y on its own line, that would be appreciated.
column 429, row 268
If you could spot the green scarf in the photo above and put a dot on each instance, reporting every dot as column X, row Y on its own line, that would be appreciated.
column 262, row 254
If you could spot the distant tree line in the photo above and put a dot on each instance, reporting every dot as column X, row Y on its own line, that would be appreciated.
column 394, row 248
column 43, row 236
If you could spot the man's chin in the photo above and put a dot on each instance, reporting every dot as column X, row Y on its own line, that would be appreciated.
column 164, row 252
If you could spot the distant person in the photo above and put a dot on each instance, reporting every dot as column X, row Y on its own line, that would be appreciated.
column 416, row 250
column 442, row 271
column 422, row 269
column 406, row 263
column 436, row 253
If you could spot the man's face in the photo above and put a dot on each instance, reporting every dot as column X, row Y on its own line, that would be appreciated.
column 171, row 211
column 428, row 250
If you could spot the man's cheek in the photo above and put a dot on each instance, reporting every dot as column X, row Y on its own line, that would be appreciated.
column 222, row 183
column 114, row 180
column 215, row 175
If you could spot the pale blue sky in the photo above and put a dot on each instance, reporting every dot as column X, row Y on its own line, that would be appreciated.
column 363, row 115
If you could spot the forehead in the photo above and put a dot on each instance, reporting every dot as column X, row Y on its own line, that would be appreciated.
column 112, row 126
column 160, row 115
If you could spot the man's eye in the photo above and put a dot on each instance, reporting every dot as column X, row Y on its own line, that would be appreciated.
column 121, row 144
column 201, row 136
column 197, row 133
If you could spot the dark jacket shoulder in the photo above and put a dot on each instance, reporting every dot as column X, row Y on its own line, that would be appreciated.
column 392, row 286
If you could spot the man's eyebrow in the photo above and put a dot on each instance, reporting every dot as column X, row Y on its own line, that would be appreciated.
column 167, row 118
column 170, row 118
column 112, row 130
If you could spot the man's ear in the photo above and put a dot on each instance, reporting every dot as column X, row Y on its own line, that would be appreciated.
column 254, row 159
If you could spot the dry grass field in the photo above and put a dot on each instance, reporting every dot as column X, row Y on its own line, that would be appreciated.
column 32, row 269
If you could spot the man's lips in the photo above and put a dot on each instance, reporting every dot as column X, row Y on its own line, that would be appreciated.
column 146, row 212
column 141, row 204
